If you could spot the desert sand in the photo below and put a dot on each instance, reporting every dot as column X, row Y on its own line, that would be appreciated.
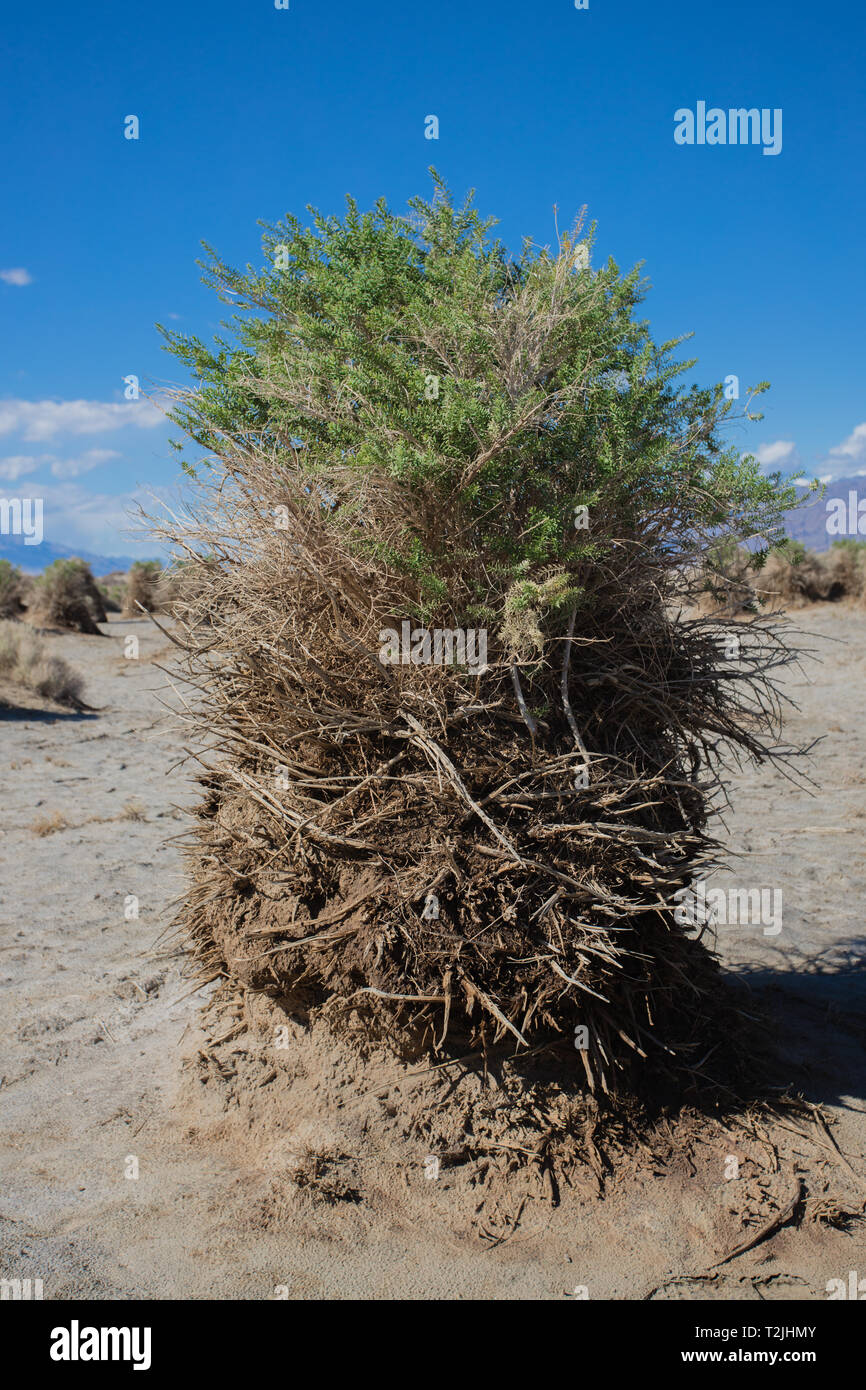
column 105, row 1072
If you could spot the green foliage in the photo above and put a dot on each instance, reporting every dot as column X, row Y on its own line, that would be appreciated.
column 849, row 546
column 148, row 570
column 65, row 572
column 794, row 551
column 494, row 393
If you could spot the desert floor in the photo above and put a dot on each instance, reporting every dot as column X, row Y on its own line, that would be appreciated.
column 97, row 1021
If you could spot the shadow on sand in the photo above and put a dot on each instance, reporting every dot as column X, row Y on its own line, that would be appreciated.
column 22, row 714
column 817, row 1009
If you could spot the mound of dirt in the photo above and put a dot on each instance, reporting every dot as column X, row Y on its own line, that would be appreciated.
column 347, row 1132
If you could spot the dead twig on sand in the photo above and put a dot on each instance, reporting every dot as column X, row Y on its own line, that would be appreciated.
column 774, row 1224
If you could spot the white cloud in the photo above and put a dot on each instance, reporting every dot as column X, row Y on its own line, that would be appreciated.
column 36, row 420
column 15, row 466
column 74, row 467
column 852, row 448
column 781, row 454
column 93, row 521
column 17, row 275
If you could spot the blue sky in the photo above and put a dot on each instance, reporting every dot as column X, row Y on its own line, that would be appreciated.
column 247, row 112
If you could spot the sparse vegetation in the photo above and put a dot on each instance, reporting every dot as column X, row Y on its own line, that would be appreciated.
column 11, row 590
column 737, row 581
column 144, row 588
column 113, row 590
column 66, row 595
column 26, row 661
column 49, row 825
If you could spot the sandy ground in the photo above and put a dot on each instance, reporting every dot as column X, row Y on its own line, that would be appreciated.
column 96, row 1022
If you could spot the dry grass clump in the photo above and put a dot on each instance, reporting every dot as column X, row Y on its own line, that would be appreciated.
column 147, row 587
column 66, row 595
column 113, row 589
column 25, row 661
column 847, row 564
column 49, row 825
column 730, row 582
column 799, row 577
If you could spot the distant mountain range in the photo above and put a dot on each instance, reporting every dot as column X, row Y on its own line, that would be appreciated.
column 33, row 559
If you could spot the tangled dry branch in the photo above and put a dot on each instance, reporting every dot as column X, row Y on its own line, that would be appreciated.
column 448, row 857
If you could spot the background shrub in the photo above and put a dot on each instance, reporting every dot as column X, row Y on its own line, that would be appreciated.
column 11, row 590
column 66, row 595
column 145, row 587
